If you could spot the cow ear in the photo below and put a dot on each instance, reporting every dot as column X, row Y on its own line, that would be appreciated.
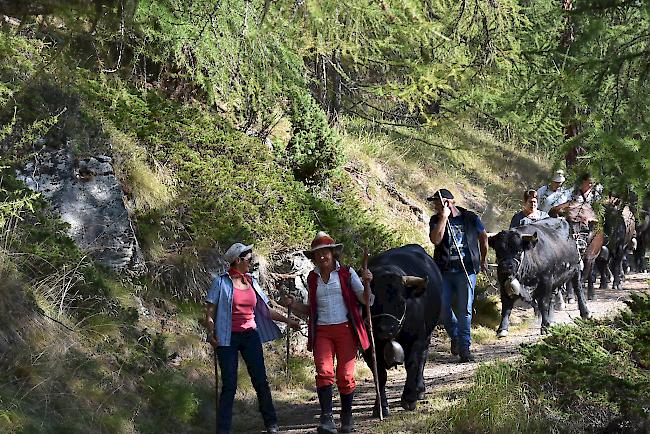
column 417, row 285
column 529, row 241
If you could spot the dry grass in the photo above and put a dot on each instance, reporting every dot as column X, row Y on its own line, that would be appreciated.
column 470, row 162
column 147, row 183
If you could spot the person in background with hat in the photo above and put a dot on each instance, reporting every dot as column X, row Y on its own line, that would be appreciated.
column 552, row 194
column 336, row 328
column 239, row 319
column 460, row 259
column 530, row 212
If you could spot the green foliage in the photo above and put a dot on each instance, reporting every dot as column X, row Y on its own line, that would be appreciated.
column 13, row 203
column 597, row 363
column 225, row 50
column 171, row 397
column 587, row 71
column 314, row 148
column 339, row 212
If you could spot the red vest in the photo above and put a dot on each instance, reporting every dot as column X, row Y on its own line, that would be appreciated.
column 351, row 302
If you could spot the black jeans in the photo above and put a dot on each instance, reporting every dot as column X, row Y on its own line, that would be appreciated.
column 250, row 346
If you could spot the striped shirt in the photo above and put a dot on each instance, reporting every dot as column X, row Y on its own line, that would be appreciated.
column 221, row 295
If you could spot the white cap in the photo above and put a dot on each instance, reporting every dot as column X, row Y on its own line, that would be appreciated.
column 559, row 176
column 234, row 251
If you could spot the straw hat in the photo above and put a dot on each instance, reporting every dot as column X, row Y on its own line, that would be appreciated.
column 323, row 241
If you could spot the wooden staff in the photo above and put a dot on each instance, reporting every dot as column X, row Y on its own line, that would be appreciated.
column 288, row 373
column 216, row 388
column 366, row 294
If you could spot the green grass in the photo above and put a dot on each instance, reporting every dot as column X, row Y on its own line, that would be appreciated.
column 497, row 402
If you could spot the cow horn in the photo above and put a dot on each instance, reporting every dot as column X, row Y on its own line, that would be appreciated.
column 529, row 237
column 414, row 281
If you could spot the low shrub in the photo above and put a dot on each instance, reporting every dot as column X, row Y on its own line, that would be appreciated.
column 314, row 148
column 601, row 363
column 171, row 397
column 589, row 376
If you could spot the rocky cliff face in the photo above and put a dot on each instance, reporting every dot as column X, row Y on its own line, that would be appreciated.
column 89, row 198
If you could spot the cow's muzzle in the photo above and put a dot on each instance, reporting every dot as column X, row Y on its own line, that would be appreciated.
column 387, row 326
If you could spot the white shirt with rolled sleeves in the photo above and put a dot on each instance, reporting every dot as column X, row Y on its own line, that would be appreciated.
column 548, row 198
column 329, row 298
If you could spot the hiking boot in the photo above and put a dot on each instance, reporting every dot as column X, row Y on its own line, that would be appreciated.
column 327, row 424
column 466, row 356
column 326, row 418
column 454, row 347
column 347, row 423
column 347, row 420
column 273, row 429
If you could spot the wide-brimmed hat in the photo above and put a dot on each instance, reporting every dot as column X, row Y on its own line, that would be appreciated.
column 235, row 251
column 323, row 241
column 446, row 194
column 559, row 176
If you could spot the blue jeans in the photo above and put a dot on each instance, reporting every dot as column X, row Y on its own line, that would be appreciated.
column 457, row 300
column 250, row 346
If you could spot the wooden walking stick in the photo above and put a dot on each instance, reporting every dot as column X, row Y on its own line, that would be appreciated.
column 366, row 294
column 216, row 388
column 288, row 373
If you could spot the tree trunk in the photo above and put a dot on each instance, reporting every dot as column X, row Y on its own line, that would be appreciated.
column 321, row 73
column 335, row 106
column 569, row 114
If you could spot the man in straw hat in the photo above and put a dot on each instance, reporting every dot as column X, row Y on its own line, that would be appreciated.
column 238, row 320
column 336, row 328
column 461, row 249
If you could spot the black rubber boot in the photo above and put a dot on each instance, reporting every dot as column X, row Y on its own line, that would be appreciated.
column 326, row 417
column 347, row 420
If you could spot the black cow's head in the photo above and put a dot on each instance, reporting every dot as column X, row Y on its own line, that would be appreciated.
column 392, row 292
column 510, row 247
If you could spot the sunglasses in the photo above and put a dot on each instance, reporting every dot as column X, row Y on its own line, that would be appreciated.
column 247, row 256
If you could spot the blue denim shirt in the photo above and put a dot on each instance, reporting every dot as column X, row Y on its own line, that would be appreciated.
column 220, row 294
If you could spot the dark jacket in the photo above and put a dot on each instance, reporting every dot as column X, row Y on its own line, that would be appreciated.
column 470, row 226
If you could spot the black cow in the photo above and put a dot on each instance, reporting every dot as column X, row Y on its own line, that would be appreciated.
column 619, row 228
column 642, row 237
column 407, row 285
column 541, row 257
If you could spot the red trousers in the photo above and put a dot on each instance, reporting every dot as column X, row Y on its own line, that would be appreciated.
column 335, row 341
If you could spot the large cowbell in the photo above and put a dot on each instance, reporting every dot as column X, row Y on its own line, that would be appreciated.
column 393, row 354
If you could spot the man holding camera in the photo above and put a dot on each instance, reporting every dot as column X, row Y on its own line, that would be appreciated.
column 461, row 249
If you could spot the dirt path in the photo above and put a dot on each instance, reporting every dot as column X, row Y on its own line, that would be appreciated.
column 443, row 370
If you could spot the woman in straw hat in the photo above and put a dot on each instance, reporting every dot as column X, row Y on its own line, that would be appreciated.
column 336, row 328
column 239, row 319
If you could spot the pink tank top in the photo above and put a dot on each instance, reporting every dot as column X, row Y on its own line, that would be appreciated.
column 243, row 306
